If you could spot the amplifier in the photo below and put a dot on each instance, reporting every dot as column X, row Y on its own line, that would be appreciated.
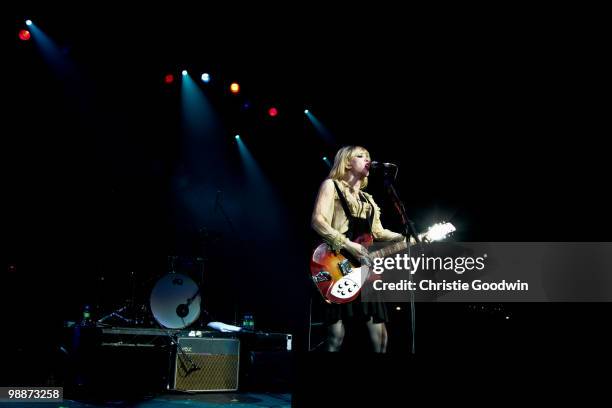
column 205, row 364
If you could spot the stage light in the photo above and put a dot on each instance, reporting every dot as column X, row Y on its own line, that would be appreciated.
column 28, row 22
column 324, row 158
column 306, row 111
column 439, row 231
column 237, row 137
column 205, row 78
column 184, row 72
column 273, row 112
column 169, row 78
column 235, row 88
column 24, row 35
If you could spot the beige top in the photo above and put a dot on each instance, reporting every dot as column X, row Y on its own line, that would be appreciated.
column 330, row 222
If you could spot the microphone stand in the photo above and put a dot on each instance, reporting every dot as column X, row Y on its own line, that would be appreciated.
column 409, row 230
column 193, row 366
column 219, row 207
column 181, row 357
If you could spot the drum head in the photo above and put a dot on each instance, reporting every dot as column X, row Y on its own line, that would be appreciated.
column 175, row 301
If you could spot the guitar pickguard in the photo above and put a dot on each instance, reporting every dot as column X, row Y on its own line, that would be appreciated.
column 348, row 286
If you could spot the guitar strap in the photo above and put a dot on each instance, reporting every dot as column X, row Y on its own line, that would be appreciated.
column 347, row 212
column 345, row 207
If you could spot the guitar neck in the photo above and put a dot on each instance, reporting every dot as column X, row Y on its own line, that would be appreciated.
column 394, row 248
column 390, row 249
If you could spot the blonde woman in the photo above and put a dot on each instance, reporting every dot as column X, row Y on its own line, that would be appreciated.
column 340, row 193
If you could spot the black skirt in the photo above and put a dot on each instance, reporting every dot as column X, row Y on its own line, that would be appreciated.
column 356, row 311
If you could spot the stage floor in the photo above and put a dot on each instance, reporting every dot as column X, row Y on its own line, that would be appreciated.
column 201, row 400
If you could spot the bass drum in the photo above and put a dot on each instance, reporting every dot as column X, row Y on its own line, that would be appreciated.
column 175, row 301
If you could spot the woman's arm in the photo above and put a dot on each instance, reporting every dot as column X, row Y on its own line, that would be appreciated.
column 322, row 222
column 323, row 214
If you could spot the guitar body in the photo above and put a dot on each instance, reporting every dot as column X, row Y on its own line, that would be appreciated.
column 337, row 277
column 340, row 279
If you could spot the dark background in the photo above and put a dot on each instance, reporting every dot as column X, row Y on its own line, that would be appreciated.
column 496, row 123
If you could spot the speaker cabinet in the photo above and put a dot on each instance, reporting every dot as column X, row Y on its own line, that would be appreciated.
column 206, row 364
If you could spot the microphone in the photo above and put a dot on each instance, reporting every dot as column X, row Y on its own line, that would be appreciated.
column 377, row 165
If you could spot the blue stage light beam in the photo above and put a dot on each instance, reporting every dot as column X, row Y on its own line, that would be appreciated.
column 54, row 55
column 75, row 85
column 203, row 167
column 322, row 131
column 200, row 120
column 252, row 170
column 263, row 197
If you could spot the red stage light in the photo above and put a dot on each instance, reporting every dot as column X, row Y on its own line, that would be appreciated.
column 235, row 88
column 169, row 78
column 24, row 35
column 273, row 112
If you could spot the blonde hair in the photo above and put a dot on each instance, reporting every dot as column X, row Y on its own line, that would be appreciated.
column 342, row 160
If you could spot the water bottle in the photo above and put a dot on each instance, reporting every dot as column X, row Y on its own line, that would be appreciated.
column 248, row 322
column 86, row 319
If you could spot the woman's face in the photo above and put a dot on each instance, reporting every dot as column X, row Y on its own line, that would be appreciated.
column 360, row 164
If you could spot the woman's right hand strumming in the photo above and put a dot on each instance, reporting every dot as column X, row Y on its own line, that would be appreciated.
column 356, row 250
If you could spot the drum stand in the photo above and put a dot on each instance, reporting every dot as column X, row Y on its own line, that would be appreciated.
column 125, row 309
column 117, row 314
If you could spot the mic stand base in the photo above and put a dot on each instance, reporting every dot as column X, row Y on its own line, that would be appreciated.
column 180, row 353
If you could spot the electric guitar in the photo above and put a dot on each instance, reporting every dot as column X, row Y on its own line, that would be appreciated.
column 339, row 278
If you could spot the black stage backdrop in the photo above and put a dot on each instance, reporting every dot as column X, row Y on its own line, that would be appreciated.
column 495, row 126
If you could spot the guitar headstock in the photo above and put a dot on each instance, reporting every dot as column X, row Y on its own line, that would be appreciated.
column 439, row 231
